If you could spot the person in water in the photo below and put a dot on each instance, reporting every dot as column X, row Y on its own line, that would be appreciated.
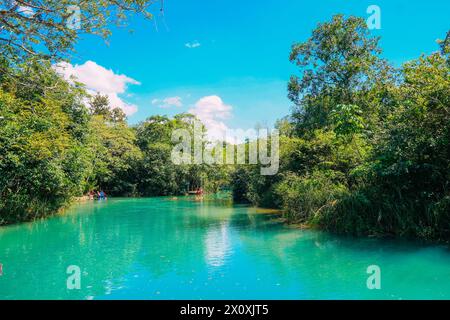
column 102, row 195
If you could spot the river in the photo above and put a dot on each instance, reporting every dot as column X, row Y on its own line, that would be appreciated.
column 180, row 248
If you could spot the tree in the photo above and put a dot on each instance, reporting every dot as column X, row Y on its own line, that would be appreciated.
column 339, row 64
column 445, row 47
column 44, row 160
column 158, row 174
column 405, row 186
column 49, row 28
column 347, row 120
column 370, row 149
column 117, row 115
column 414, row 151
column 115, row 157
column 100, row 106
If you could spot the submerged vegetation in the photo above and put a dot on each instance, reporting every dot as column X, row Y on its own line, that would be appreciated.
column 365, row 150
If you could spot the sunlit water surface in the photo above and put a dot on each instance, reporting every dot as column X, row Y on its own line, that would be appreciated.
column 165, row 248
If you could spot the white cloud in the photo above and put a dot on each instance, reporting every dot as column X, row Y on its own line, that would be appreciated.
column 168, row 102
column 172, row 101
column 211, row 110
column 101, row 80
column 176, row 101
column 192, row 45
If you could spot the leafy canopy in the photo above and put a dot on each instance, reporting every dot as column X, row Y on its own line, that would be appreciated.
column 49, row 28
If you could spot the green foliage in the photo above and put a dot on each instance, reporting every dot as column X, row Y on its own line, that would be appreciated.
column 49, row 28
column 42, row 139
column 305, row 198
column 339, row 65
column 53, row 148
column 407, row 192
column 249, row 185
column 347, row 120
column 399, row 181
column 367, row 148
column 365, row 151
column 158, row 175
column 99, row 106
column 445, row 47
column 240, row 184
column 116, row 157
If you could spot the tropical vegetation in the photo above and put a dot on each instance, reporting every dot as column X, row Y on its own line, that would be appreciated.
column 365, row 150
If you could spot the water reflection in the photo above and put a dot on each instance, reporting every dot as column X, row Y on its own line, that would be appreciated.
column 218, row 245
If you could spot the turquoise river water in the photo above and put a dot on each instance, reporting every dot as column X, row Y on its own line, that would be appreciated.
column 166, row 248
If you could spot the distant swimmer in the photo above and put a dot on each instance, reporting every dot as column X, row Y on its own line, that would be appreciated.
column 102, row 195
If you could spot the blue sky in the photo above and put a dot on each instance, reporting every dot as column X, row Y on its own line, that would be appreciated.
column 238, row 51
